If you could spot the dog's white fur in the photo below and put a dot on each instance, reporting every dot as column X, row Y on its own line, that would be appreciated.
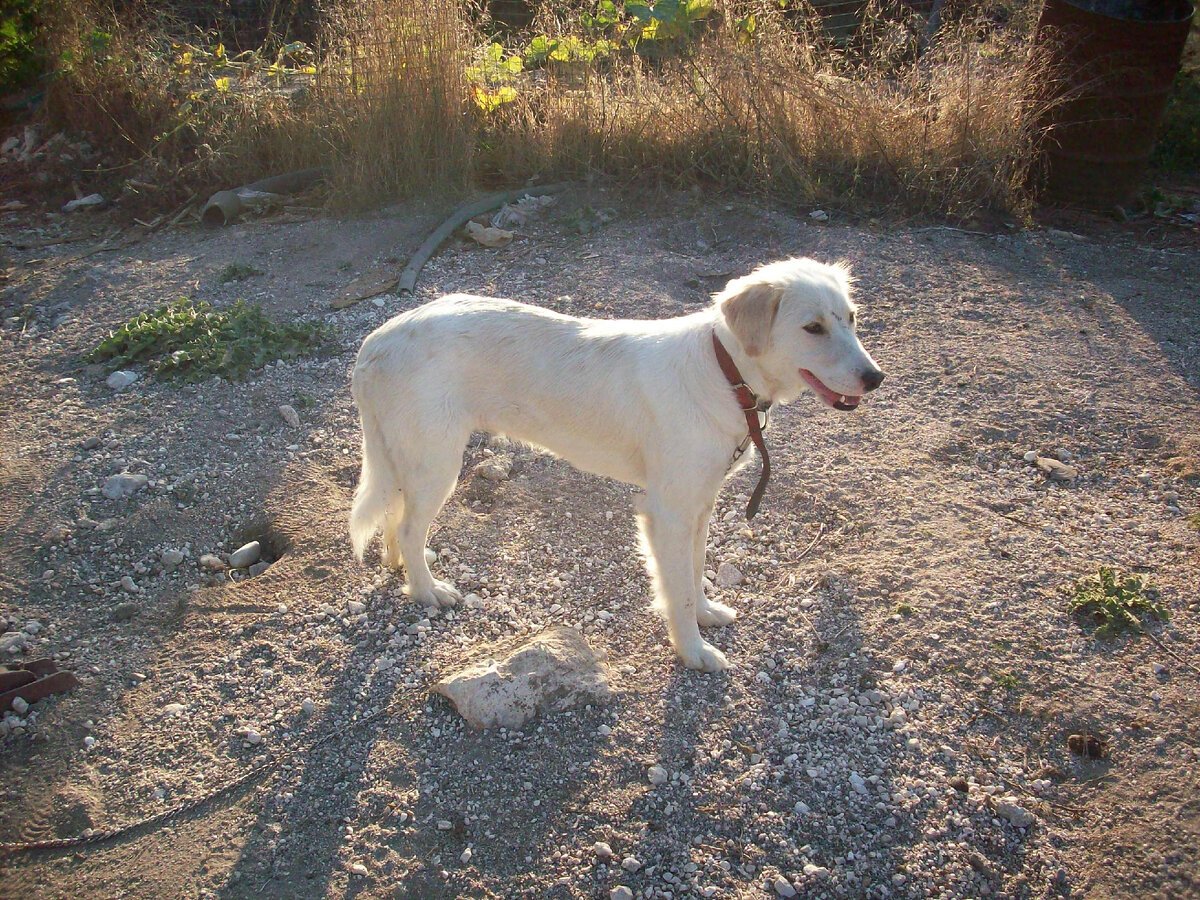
column 643, row 402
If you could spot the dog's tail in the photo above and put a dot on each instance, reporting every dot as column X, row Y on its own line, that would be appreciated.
column 378, row 493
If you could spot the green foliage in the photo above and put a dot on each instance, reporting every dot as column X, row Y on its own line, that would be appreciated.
column 20, row 50
column 1116, row 602
column 492, row 76
column 1178, row 146
column 1006, row 680
column 669, row 20
column 238, row 271
column 193, row 341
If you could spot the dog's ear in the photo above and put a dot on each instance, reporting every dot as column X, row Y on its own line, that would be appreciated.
column 750, row 312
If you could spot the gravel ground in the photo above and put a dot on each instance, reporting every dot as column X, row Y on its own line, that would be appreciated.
column 906, row 675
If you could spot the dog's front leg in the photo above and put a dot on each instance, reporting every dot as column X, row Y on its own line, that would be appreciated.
column 669, row 535
column 708, row 612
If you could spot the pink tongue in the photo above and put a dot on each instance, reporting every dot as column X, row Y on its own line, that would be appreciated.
column 826, row 394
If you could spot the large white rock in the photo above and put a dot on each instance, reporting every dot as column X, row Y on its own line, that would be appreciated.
column 553, row 671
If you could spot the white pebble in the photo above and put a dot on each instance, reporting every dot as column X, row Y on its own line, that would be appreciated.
column 358, row 869
column 631, row 864
column 20, row 707
column 656, row 775
column 783, row 887
column 620, row 892
column 602, row 849
column 465, row 856
column 899, row 667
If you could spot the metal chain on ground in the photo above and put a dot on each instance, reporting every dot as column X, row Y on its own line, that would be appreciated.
column 95, row 837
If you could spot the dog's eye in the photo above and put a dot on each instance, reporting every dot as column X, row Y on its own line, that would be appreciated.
column 853, row 318
column 814, row 328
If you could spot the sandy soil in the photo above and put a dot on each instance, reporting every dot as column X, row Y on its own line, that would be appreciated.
column 897, row 721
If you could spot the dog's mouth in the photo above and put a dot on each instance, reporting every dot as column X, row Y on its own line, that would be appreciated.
column 845, row 402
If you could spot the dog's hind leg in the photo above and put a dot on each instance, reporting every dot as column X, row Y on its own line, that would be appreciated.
column 428, row 483
column 669, row 543
column 709, row 613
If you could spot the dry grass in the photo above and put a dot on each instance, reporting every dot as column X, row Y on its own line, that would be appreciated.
column 946, row 132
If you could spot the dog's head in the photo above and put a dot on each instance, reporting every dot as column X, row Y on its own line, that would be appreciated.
column 796, row 322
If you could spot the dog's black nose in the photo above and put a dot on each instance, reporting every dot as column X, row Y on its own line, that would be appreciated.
column 872, row 378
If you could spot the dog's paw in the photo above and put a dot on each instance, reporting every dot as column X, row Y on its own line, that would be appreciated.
column 710, row 614
column 704, row 657
column 441, row 594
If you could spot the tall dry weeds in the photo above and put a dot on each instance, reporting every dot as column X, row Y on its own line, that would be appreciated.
column 885, row 121
column 394, row 99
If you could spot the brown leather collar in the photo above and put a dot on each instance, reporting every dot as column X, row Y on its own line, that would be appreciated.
column 751, row 406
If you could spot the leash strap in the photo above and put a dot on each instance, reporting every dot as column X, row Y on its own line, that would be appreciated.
column 751, row 406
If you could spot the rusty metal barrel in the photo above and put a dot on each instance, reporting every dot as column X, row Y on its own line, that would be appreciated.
column 1110, row 67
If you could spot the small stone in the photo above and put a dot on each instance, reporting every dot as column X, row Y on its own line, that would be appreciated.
column 20, row 707
column 32, row 627
column 812, row 870
column 899, row 667
column 128, row 585
column 89, row 202
column 1055, row 470
column 120, row 487
column 171, row 558
column 465, row 856
column 602, row 849
column 819, row 215
column 958, row 783
column 498, row 468
column 12, row 642
column 174, row 709
column 90, row 443
column 245, row 555
column 1014, row 812
column 257, row 569
column 1064, row 455
column 1031, row 457
column 123, row 612
column 604, row 731
column 631, row 864
column 728, row 575
column 783, row 887
column 1159, row 669
column 212, row 562
column 290, row 416
column 121, row 379
column 89, row 742
column 356, row 607
column 620, row 892
column 656, row 775
column 308, row 706
column 253, row 737
column 359, row 869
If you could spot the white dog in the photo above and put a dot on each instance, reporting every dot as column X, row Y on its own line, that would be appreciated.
column 645, row 402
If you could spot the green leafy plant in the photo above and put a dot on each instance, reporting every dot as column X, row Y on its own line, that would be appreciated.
column 20, row 53
column 193, row 341
column 237, row 272
column 1116, row 602
column 668, row 20
column 1006, row 680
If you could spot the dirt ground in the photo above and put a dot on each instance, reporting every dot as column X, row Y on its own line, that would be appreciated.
column 906, row 674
